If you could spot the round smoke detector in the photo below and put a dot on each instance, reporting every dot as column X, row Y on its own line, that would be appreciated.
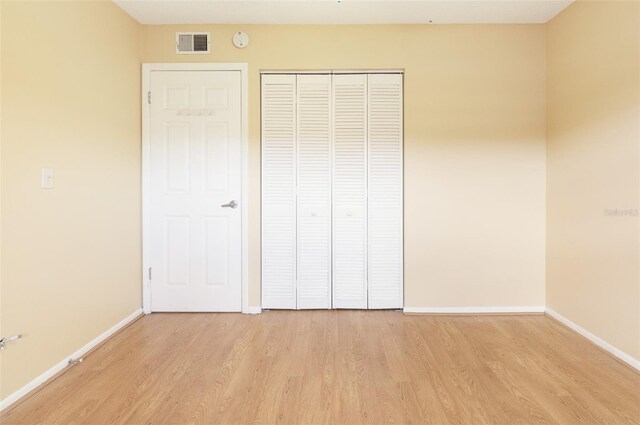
column 240, row 39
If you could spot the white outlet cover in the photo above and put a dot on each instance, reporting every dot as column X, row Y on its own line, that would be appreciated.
column 240, row 39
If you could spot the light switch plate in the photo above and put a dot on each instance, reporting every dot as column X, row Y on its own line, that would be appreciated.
column 47, row 178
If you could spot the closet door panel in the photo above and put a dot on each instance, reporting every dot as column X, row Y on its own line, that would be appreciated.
column 385, row 241
column 278, row 191
column 349, row 191
column 314, row 191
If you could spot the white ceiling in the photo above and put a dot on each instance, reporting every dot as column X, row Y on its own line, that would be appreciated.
column 344, row 12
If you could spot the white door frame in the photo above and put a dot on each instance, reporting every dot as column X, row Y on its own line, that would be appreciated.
column 147, row 68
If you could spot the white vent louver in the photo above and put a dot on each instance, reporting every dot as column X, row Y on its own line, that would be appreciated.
column 193, row 43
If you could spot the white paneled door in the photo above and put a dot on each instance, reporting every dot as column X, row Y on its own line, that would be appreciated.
column 195, row 191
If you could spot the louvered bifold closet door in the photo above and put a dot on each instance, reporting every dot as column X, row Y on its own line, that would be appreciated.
column 278, row 191
column 385, row 191
column 349, row 191
column 314, row 191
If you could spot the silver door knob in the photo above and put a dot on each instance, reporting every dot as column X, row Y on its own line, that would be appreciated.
column 233, row 204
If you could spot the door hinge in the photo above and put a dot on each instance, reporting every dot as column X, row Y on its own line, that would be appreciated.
column 149, row 273
column 149, row 97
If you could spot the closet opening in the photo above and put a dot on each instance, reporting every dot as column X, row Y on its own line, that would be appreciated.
column 332, row 189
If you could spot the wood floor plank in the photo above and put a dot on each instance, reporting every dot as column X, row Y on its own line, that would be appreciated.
column 339, row 367
column 586, row 382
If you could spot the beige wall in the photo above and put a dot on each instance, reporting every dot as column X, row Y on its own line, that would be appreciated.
column 71, row 255
column 474, row 144
column 593, row 275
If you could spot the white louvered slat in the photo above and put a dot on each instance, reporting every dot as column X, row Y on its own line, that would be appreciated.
column 278, row 191
column 349, row 191
column 385, row 191
column 314, row 191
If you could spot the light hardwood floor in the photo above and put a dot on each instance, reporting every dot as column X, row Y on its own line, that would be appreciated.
column 340, row 367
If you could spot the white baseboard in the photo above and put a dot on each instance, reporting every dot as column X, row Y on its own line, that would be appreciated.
column 64, row 363
column 596, row 340
column 475, row 310
column 252, row 310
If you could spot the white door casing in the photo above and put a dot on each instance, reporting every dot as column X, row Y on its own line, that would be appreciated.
column 194, row 167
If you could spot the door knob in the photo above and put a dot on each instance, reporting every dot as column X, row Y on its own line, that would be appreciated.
column 233, row 204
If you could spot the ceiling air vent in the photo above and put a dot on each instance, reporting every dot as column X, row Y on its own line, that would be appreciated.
column 193, row 43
